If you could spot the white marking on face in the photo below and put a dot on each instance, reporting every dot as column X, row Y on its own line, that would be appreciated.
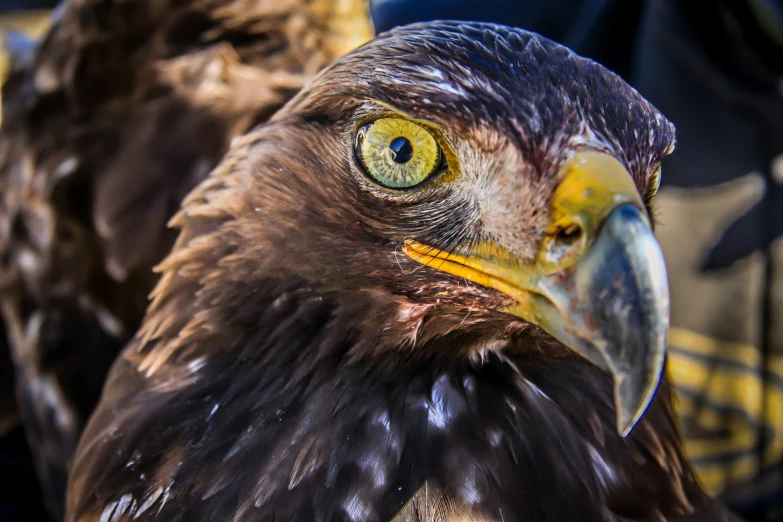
column 451, row 89
column 432, row 72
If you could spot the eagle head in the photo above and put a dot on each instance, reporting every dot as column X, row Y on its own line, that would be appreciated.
column 447, row 190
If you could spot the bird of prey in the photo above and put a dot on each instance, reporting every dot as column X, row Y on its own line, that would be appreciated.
column 426, row 289
column 116, row 114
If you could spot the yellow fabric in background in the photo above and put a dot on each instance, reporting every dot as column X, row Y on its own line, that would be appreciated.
column 32, row 23
column 735, row 397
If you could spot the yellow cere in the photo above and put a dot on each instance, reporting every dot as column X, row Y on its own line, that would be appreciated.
column 594, row 183
column 398, row 153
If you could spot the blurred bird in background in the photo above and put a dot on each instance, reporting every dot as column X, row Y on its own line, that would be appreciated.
column 123, row 109
column 107, row 123
column 22, row 500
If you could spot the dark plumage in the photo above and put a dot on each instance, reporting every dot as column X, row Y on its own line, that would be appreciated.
column 118, row 113
column 296, row 364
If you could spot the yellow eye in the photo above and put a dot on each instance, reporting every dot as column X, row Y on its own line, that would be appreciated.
column 397, row 153
column 655, row 183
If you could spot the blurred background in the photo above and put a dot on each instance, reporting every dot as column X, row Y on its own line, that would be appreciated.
column 716, row 70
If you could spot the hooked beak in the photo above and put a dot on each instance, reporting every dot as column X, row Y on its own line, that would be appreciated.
column 598, row 283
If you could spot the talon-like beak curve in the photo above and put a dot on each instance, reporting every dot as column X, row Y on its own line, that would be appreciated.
column 598, row 283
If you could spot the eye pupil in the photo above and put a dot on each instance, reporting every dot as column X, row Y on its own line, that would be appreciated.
column 401, row 150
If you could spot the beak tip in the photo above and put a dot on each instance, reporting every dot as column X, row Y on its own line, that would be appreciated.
column 631, row 406
column 626, row 422
column 625, row 430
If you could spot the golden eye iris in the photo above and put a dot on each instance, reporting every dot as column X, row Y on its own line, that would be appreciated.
column 655, row 183
column 398, row 153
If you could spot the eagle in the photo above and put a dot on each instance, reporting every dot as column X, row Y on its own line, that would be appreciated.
column 426, row 289
column 420, row 285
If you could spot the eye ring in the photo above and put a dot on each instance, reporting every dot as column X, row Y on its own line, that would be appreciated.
column 397, row 153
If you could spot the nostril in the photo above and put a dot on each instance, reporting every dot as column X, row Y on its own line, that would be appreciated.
column 568, row 235
column 565, row 244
